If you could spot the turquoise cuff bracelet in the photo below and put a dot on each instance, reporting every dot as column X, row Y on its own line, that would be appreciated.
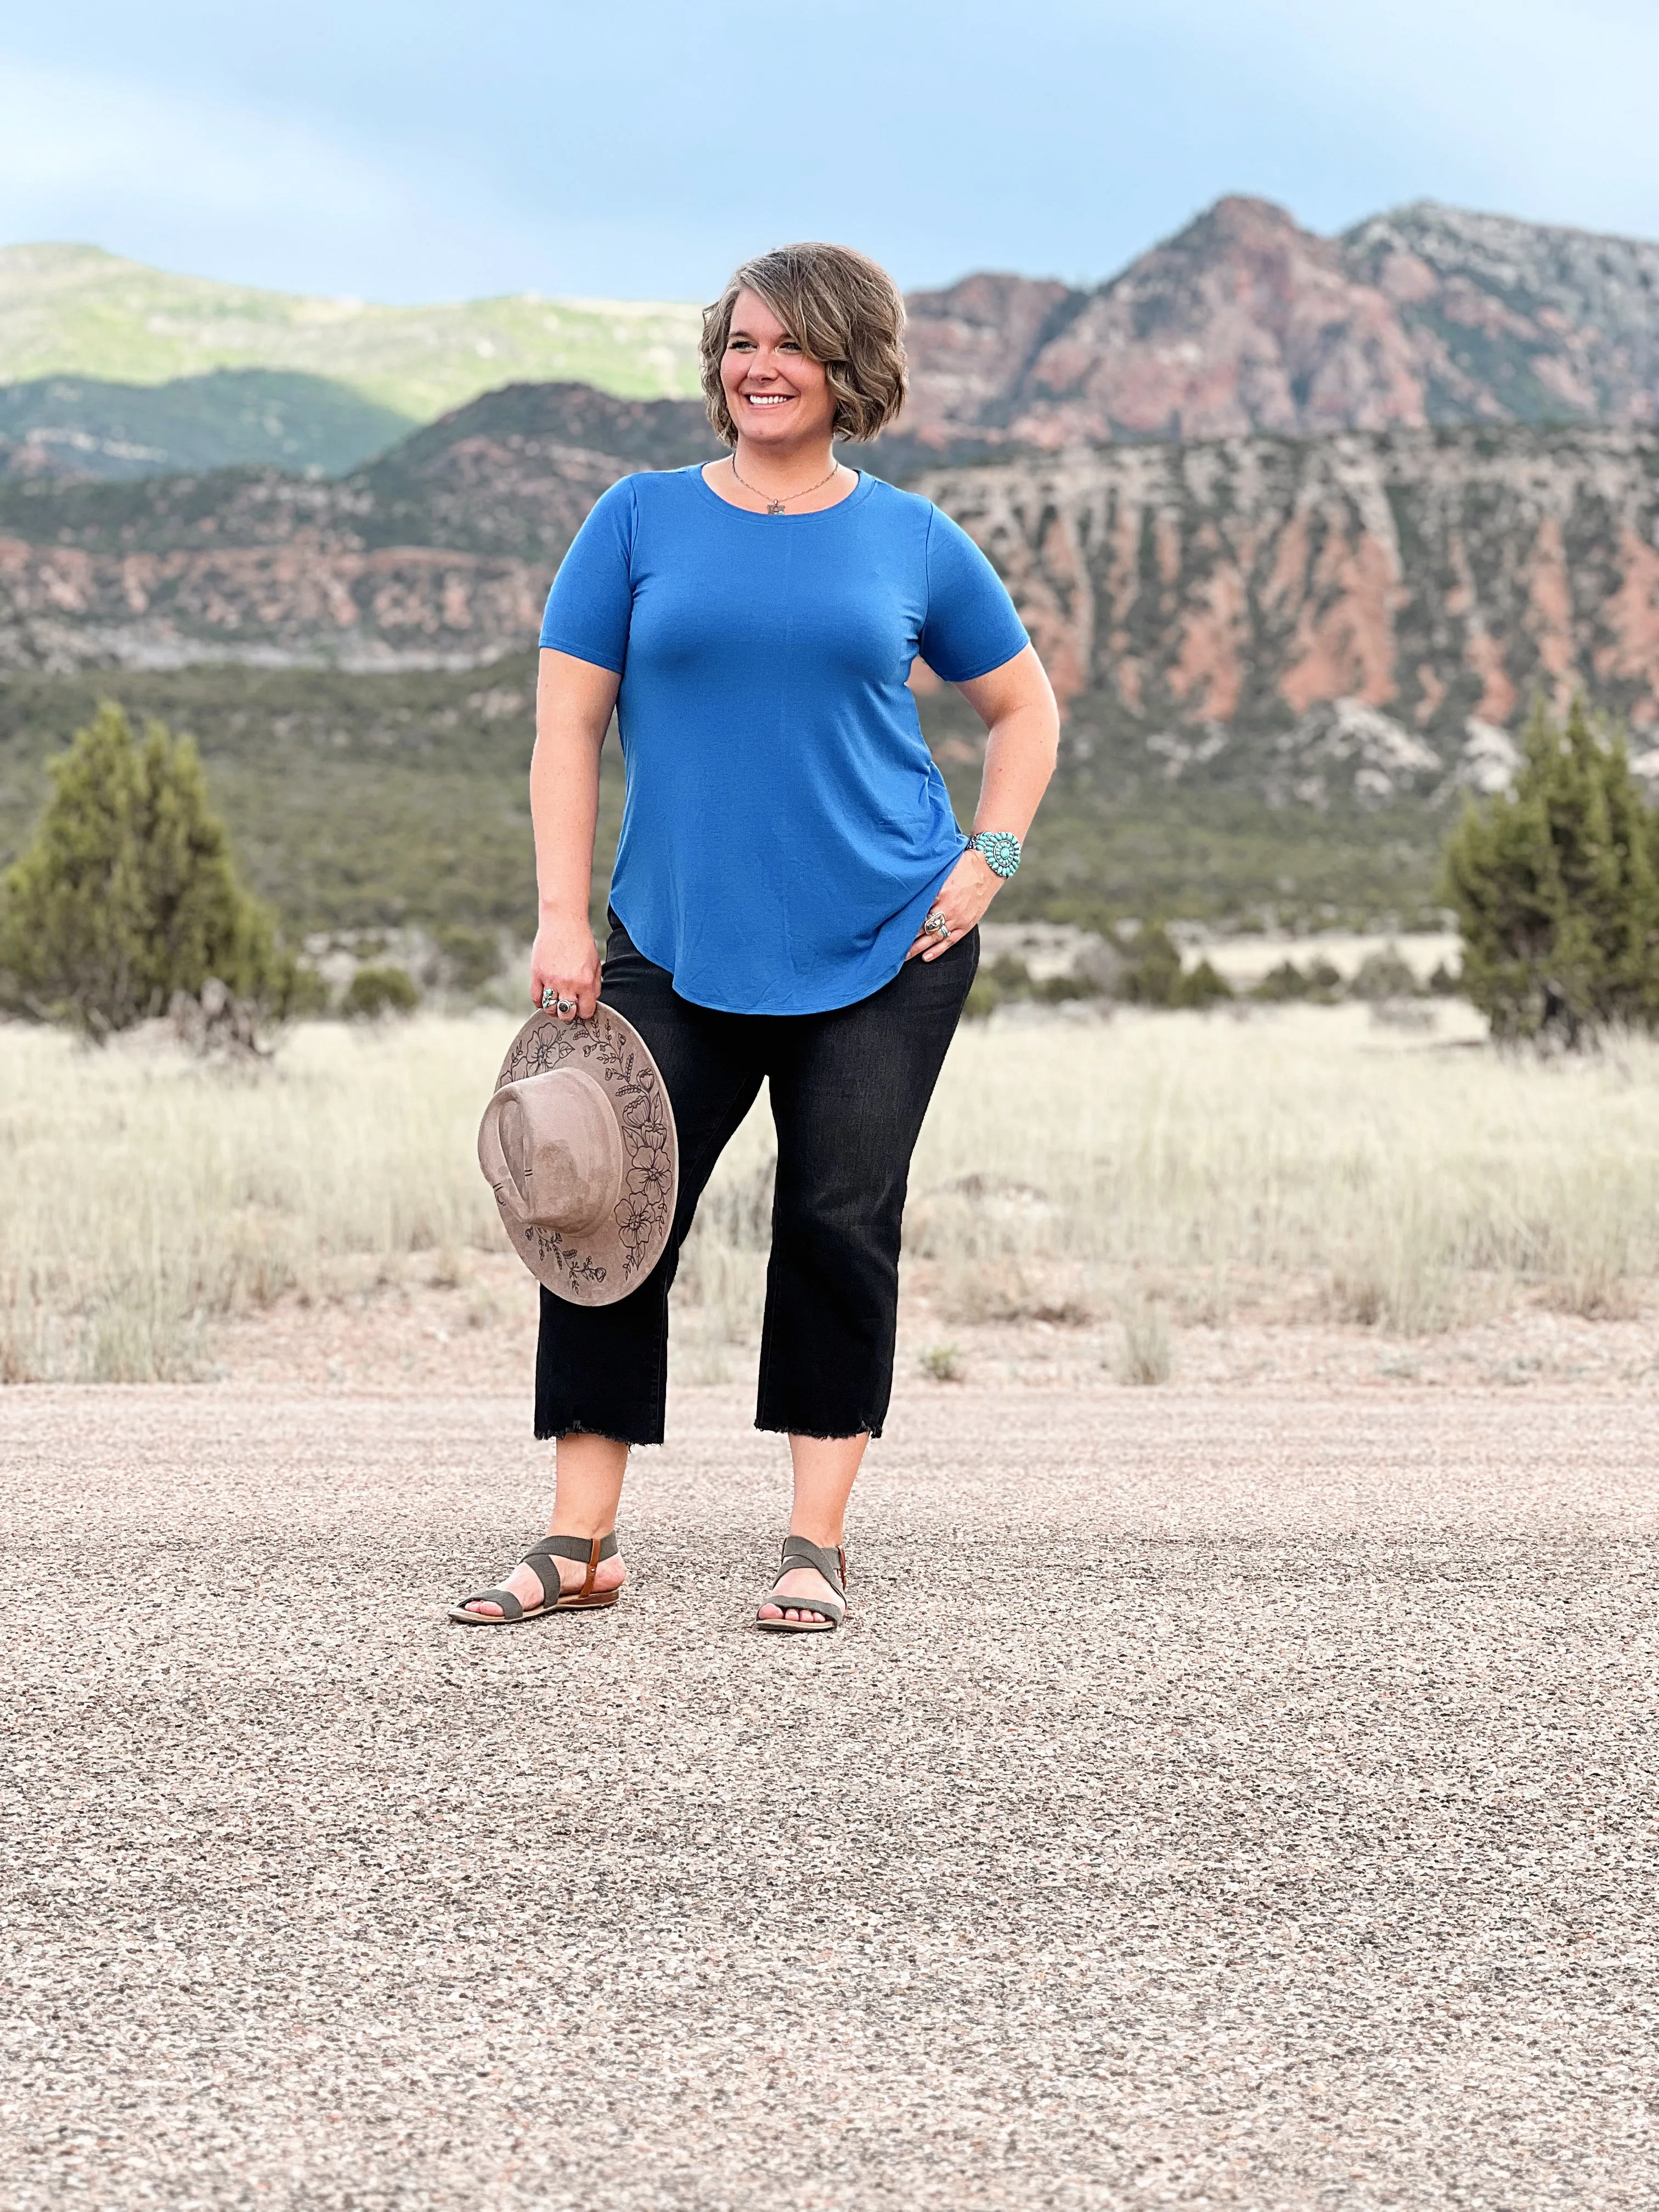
column 998, row 848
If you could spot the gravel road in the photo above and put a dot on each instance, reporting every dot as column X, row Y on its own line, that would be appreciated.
column 1213, row 1802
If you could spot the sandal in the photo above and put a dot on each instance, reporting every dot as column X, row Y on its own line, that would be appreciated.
column 539, row 1558
column 832, row 1566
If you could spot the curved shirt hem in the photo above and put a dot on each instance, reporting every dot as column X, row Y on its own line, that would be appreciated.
column 832, row 1005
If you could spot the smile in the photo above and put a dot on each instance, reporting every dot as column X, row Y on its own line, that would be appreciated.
column 768, row 398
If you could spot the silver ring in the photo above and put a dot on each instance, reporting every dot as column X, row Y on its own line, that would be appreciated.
column 562, row 1007
column 547, row 999
column 939, row 926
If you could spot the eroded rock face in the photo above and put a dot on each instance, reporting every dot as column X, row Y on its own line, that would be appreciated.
column 1428, row 580
column 437, row 556
column 1244, row 321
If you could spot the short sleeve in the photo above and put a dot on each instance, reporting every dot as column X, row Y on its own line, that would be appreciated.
column 971, row 627
column 592, row 601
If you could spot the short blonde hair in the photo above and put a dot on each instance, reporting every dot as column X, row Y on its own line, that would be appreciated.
column 841, row 309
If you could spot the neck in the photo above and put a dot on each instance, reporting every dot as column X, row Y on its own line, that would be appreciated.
column 780, row 470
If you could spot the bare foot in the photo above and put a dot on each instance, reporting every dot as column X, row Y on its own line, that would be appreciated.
column 799, row 1584
column 526, row 1584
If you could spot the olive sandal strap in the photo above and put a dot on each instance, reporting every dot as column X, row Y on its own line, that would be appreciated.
column 832, row 1566
column 511, row 1608
column 587, row 1551
column 590, row 1551
column 797, row 1551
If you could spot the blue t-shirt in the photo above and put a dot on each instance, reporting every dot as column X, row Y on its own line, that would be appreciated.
column 785, row 826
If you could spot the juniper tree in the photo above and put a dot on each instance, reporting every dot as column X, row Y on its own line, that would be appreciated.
column 1556, row 886
column 129, row 892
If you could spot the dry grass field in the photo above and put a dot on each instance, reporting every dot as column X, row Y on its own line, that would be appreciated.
column 1139, row 1176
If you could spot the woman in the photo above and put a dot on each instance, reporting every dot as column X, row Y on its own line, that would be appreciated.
column 792, row 901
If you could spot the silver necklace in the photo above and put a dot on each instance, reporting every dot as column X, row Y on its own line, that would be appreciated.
column 777, row 506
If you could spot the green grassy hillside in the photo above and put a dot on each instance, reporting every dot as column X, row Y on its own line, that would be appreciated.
column 230, row 418
column 369, row 802
column 75, row 311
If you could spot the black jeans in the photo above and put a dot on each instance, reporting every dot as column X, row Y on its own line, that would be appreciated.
column 849, row 1092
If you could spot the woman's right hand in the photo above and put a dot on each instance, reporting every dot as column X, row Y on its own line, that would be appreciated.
column 565, row 960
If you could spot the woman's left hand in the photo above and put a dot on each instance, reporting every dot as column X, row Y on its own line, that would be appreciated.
column 967, row 891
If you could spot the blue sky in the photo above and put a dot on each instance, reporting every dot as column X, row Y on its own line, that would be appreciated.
column 422, row 151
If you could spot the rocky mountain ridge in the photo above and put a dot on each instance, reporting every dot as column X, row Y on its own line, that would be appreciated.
column 1244, row 321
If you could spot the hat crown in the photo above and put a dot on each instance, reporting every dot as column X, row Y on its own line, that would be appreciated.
column 551, row 1148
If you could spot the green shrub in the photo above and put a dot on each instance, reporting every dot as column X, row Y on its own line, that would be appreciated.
column 1006, row 977
column 306, row 997
column 1055, row 990
column 373, row 992
column 1384, row 975
column 128, row 893
column 1319, row 983
column 1201, row 986
column 1154, row 976
column 1282, row 983
column 471, row 957
column 1556, row 884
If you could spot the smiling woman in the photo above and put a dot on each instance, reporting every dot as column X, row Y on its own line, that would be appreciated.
column 793, row 903
column 832, row 320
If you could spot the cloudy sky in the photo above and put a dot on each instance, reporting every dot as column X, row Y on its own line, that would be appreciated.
column 420, row 151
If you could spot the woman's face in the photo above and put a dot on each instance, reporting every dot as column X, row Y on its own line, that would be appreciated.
column 776, row 395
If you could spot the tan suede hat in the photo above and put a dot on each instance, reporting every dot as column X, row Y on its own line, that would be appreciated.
column 579, row 1146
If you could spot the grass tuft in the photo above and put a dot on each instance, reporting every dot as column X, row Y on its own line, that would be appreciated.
column 1144, row 1354
column 942, row 1363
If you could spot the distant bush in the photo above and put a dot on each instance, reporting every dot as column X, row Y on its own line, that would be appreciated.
column 1556, row 884
column 1149, row 973
column 471, row 957
column 1201, row 986
column 1319, row 983
column 373, row 992
column 129, row 895
column 1442, row 984
column 998, row 980
column 1153, row 974
column 1384, row 975
column 1155, row 977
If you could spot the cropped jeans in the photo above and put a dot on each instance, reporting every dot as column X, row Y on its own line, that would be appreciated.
column 848, row 1090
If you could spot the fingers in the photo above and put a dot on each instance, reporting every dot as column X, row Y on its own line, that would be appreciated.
column 565, row 987
column 566, row 1001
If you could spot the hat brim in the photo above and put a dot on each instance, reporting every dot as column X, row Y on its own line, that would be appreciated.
column 601, row 1265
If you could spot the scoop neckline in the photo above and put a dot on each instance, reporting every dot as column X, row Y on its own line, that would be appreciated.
column 748, row 514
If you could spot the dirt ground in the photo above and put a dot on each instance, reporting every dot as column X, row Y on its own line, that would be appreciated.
column 470, row 1324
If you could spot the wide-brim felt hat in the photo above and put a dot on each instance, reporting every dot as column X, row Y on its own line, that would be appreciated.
column 579, row 1145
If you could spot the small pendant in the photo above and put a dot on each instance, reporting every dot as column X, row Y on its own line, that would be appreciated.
column 774, row 506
